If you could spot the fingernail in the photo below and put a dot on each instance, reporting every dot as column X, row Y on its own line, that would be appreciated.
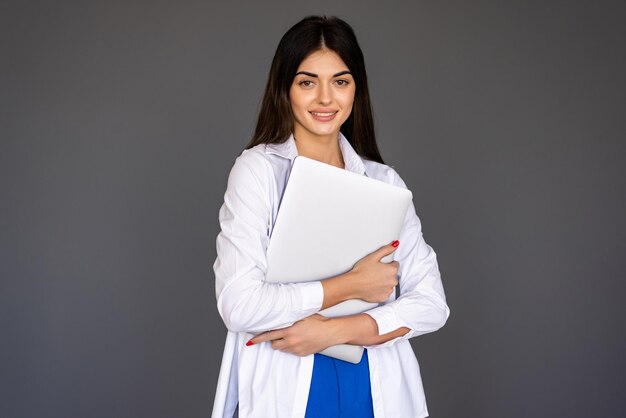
column 249, row 343
column 395, row 243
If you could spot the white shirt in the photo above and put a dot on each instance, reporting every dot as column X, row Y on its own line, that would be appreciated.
column 267, row 382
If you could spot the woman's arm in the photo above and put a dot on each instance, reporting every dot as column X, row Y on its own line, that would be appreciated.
column 315, row 333
column 245, row 300
column 362, row 329
column 421, row 307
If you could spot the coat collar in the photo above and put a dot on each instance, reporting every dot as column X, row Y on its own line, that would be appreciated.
column 289, row 150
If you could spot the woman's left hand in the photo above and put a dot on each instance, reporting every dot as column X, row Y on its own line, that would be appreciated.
column 307, row 336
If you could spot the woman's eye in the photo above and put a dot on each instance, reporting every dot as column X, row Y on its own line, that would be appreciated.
column 342, row 82
column 306, row 83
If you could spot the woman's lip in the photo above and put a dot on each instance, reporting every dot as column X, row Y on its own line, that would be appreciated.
column 323, row 116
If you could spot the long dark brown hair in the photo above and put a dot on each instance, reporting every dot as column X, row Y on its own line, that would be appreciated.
column 276, row 120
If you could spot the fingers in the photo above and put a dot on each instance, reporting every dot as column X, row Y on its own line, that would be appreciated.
column 279, row 344
column 276, row 338
column 396, row 266
column 267, row 336
column 385, row 250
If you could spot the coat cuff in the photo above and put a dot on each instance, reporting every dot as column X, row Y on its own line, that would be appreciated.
column 387, row 321
column 311, row 296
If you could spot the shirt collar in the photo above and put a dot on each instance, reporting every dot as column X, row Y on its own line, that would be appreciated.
column 288, row 149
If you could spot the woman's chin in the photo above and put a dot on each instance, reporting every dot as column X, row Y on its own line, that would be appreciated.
column 324, row 130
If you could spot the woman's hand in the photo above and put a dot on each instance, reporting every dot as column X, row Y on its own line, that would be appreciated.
column 307, row 336
column 374, row 280
column 370, row 279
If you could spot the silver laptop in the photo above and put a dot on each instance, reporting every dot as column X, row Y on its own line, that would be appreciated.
column 338, row 217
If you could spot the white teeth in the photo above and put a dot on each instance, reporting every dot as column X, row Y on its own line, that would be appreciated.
column 323, row 114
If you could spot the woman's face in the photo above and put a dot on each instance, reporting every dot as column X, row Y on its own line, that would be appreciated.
column 322, row 94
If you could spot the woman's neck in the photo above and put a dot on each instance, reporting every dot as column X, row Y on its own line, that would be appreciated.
column 325, row 149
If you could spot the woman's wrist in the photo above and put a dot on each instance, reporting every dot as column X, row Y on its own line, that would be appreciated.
column 339, row 289
column 358, row 329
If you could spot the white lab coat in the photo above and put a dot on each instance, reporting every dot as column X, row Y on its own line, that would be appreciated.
column 267, row 383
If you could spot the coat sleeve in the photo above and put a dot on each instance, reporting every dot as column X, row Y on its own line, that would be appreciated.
column 245, row 301
column 421, row 306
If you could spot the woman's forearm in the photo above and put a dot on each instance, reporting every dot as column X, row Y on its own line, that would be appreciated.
column 315, row 333
column 338, row 289
column 361, row 329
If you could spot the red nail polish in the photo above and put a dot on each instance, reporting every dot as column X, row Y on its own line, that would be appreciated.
column 395, row 243
column 249, row 343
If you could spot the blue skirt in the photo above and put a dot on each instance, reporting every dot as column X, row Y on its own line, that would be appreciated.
column 340, row 389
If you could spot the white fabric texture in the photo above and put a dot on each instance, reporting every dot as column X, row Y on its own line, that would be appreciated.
column 263, row 382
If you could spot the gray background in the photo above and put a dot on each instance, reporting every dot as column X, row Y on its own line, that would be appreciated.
column 120, row 121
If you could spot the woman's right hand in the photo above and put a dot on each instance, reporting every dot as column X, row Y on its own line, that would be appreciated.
column 373, row 280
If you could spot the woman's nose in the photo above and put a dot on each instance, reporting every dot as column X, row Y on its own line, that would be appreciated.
column 324, row 95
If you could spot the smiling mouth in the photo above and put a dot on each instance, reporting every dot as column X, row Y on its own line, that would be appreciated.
column 323, row 114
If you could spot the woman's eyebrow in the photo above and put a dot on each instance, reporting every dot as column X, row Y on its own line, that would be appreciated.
column 315, row 75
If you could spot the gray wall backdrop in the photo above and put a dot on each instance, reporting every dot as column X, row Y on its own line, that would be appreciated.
column 120, row 121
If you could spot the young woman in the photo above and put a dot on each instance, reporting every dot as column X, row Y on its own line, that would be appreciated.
column 316, row 104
